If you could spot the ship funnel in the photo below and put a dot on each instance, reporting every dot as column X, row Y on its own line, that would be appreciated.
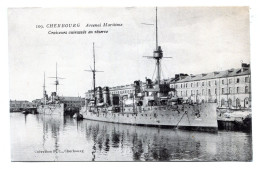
column 99, row 95
column 106, row 95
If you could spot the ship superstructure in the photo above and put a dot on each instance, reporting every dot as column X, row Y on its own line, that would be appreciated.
column 150, row 105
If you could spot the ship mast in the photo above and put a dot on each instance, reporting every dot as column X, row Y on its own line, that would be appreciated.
column 44, row 91
column 56, row 82
column 156, row 29
column 94, row 74
column 157, row 53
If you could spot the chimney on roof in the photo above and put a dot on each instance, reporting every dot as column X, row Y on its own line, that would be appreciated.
column 245, row 66
column 183, row 75
column 215, row 73
column 231, row 70
column 180, row 76
column 204, row 74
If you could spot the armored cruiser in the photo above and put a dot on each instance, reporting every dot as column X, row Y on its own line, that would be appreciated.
column 151, row 104
column 52, row 105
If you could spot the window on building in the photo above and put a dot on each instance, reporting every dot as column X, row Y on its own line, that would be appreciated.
column 230, row 102
column 202, row 83
column 209, row 92
column 230, row 81
column 186, row 93
column 238, row 80
column 203, row 93
column 238, row 102
column 197, row 92
column 181, row 93
column 246, row 102
column 223, row 82
column 246, row 79
column 191, row 85
column 215, row 90
column 209, row 83
column 215, row 82
column 222, row 91
column 237, row 89
column 197, row 84
column 229, row 90
column 181, row 85
column 246, row 89
column 222, row 102
column 186, row 85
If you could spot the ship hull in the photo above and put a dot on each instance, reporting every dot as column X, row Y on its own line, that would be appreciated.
column 51, row 109
column 201, row 117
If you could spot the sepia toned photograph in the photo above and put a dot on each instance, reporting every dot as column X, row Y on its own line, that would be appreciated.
column 130, row 84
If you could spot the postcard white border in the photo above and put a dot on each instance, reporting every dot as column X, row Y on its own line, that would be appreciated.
column 5, row 123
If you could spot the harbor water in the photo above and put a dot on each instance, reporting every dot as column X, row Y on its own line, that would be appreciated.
column 50, row 138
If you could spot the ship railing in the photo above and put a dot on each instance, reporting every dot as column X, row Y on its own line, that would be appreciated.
column 169, row 107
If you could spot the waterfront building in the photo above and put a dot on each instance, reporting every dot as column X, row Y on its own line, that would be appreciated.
column 122, row 90
column 230, row 88
column 19, row 105
column 72, row 103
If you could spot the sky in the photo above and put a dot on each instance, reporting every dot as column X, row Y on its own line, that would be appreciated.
column 199, row 40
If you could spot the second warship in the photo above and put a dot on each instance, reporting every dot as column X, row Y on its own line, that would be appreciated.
column 52, row 105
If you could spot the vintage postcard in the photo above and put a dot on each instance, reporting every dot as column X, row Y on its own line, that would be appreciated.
column 130, row 84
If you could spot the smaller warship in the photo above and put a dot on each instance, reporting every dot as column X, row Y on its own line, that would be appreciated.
column 51, row 105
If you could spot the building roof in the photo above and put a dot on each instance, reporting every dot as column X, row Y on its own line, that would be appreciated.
column 19, row 101
column 216, row 74
column 122, row 87
column 65, row 98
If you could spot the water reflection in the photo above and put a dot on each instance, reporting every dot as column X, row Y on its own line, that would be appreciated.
column 153, row 144
column 52, row 124
column 102, row 141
